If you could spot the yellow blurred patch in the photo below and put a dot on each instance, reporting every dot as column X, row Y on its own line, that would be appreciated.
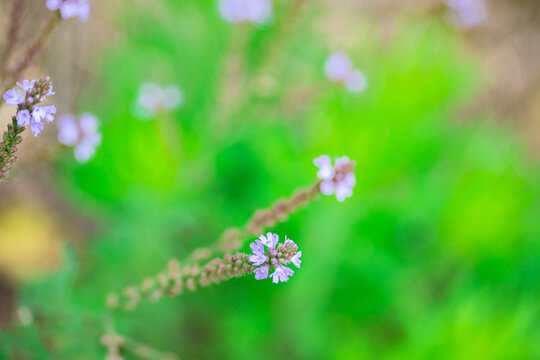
column 30, row 245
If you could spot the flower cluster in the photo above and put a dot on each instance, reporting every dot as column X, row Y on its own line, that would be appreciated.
column 245, row 11
column 28, row 110
column 153, row 98
column 467, row 13
column 338, row 179
column 339, row 68
column 83, row 134
column 70, row 8
column 274, row 257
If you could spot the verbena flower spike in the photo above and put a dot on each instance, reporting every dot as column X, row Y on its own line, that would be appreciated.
column 29, row 113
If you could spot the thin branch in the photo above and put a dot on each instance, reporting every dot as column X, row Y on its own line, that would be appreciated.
column 31, row 53
column 13, row 33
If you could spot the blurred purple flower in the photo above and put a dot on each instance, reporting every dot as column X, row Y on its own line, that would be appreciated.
column 83, row 135
column 339, row 179
column 275, row 257
column 242, row 11
column 71, row 8
column 339, row 68
column 467, row 13
column 356, row 81
column 152, row 98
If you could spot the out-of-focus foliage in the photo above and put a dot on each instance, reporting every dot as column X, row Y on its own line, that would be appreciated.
column 435, row 256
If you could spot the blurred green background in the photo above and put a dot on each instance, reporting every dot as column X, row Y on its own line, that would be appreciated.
column 436, row 256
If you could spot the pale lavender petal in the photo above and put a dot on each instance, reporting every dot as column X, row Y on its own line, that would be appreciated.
column 48, row 113
column 261, row 272
column 232, row 11
column 69, row 9
column 258, row 11
column 36, row 127
column 53, row 4
column 88, row 123
column 326, row 170
column 13, row 97
column 340, row 161
column 23, row 118
column 288, row 241
column 356, row 81
column 172, row 97
column 84, row 152
column 296, row 259
column 258, row 259
column 68, row 131
column 338, row 66
column 467, row 13
column 26, row 85
column 344, row 188
column 84, row 10
column 270, row 240
column 327, row 187
column 149, row 96
column 282, row 274
column 257, row 247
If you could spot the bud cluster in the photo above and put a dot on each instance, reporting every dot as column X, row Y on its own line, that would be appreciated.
column 177, row 278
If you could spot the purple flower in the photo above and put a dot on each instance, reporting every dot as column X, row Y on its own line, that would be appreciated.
column 339, row 68
column 268, row 254
column 282, row 274
column 326, row 170
column 244, row 11
column 152, row 98
column 296, row 259
column 71, row 8
column 262, row 272
column 13, row 97
column 270, row 240
column 83, row 135
column 44, row 113
column 467, row 13
column 36, row 127
column 339, row 180
column 23, row 118
column 26, row 85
